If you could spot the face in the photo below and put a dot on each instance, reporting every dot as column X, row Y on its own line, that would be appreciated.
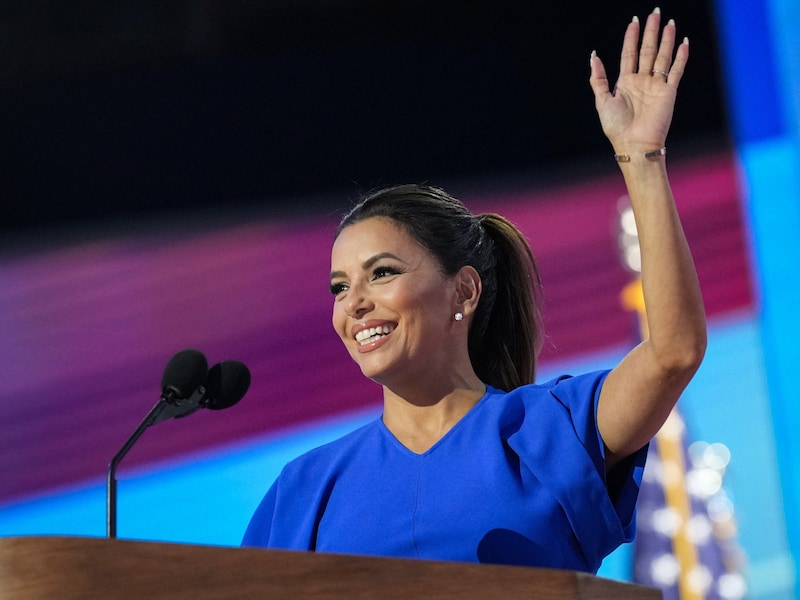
column 393, row 308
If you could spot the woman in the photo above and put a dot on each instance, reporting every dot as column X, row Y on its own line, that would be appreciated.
column 471, row 461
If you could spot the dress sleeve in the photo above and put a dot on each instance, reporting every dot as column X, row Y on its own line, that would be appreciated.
column 258, row 530
column 560, row 443
column 624, row 480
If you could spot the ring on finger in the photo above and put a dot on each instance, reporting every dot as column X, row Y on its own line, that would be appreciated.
column 664, row 74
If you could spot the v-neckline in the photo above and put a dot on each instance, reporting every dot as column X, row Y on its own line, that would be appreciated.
column 449, row 433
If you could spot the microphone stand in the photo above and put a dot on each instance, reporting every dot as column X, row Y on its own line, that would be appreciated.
column 166, row 408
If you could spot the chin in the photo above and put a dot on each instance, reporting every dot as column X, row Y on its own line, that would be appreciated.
column 380, row 374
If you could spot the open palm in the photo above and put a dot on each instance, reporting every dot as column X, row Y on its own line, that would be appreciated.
column 637, row 113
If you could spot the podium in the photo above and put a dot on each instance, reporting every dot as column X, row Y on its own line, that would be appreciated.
column 93, row 568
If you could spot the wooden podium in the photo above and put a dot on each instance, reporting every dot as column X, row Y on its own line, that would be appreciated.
column 89, row 568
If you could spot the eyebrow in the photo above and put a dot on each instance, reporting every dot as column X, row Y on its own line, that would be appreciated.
column 368, row 263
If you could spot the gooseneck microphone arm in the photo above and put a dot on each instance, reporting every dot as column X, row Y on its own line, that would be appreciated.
column 183, row 376
column 187, row 385
column 111, row 482
column 163, row 410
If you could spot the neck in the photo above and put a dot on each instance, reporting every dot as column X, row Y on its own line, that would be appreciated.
column 421, row 419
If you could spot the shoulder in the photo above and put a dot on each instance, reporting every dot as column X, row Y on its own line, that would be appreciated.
column 580, row 391
column 562, row 410
column 287, row 516
column 562, row 403
column 328, row 456
column 571, row 391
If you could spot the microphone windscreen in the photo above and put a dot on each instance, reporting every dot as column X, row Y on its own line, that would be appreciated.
column 226, row 384
column 184, row 373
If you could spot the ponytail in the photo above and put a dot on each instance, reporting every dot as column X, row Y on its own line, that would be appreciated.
column 508, row 333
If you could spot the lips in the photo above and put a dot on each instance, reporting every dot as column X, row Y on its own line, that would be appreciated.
column 369, row 335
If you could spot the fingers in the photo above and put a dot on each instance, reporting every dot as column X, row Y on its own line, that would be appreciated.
column 663, row 60
column 630, row 45
column 654, row 56
column 679, row 66
column 649, row 49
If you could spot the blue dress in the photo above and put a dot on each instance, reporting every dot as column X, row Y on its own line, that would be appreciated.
column 519, row 480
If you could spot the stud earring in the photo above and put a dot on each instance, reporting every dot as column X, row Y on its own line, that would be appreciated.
column 458, row 316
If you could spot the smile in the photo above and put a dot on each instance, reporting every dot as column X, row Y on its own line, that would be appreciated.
column 372, row 334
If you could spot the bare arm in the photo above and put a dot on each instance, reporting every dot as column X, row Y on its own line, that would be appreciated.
column 640, row 392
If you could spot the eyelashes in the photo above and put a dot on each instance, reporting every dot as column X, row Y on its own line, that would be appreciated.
column 337, row 288
column 379, row 272
column 385, row 271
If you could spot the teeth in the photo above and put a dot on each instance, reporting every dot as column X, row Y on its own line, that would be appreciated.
column 366, row 336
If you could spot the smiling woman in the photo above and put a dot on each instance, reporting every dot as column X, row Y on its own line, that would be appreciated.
column 471, row 460
column 483, row 266
column 392, row 295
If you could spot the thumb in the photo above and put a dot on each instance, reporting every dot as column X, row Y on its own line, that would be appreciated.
column 598, row 79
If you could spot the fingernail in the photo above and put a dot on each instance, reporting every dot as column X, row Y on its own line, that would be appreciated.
column 671, row 22
column 657, row 10
column 635, row 19
column 591, row 58
column 686, row 41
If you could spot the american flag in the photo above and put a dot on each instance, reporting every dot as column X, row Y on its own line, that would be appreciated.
column 686, row 530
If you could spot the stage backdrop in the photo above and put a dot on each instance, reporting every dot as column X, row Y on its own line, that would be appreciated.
column 90, row 322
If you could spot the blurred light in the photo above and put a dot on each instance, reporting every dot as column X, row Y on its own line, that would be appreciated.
column 710, row 456
column 666, row 570
column 720, row 509
column 699, row 579
column 667, row 521
column 699, row 529
column 717, row 456
column 633, row 258
column 732, row 586
column 628, row 222
column 628, row 238
column 703, row 483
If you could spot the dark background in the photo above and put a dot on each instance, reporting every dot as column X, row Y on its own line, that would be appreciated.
column 121, row 109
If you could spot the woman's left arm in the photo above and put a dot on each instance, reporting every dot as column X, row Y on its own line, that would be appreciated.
column 642, row 389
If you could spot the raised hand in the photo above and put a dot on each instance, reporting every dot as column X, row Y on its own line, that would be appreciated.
column 636, row 114
column 642, row 389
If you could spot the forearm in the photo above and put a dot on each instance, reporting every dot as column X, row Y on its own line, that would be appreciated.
column 674, row 305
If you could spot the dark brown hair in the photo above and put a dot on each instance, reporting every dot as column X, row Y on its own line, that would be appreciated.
column 506, row 334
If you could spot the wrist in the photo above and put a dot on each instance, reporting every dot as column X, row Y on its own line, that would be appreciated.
column 652, row 154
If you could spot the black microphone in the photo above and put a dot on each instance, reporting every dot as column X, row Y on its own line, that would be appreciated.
column 181, row 387
column 186, row 386
column 184, row 373
column 226, row 384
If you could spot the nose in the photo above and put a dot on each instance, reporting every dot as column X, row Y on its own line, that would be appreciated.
column 358, row 303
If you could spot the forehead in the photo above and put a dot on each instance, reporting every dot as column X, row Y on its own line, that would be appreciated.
column 373, row 236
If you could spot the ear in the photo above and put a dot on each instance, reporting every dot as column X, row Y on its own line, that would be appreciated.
column 468, row 290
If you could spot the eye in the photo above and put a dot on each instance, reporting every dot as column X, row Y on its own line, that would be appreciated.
column 338, row 288
column 385, row 271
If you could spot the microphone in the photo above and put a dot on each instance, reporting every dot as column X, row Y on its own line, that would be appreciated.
column 186, row 386
column 184, row 373
column 181, row 387
column 226, row 384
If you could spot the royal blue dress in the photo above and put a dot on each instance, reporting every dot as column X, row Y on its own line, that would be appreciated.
column 519, row 480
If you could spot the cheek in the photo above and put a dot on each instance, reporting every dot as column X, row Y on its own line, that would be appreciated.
column 425, row 301
column 338, row 319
